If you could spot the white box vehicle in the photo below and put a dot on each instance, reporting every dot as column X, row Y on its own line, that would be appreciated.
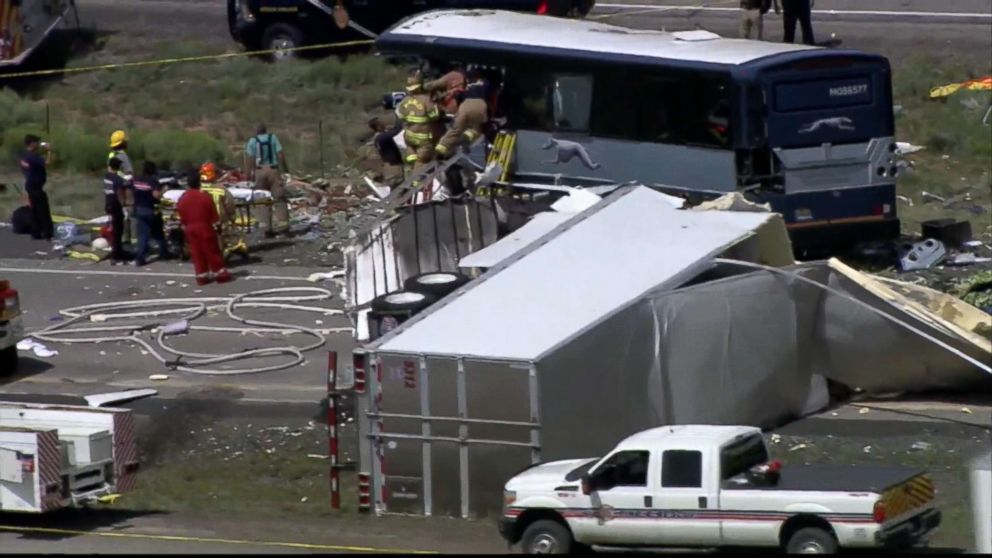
column 713, row 486
column 11, row 329
column 57, row 456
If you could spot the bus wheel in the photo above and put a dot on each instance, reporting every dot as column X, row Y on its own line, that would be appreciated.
column 279, row 38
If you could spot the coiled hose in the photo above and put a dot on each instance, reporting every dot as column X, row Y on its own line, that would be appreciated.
column 182, row 311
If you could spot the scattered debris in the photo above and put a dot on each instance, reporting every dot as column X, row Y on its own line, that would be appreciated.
column 39, row 349
column 966, row 258
column 158, row 377
column 101, row 399
column 776, row 439
column 921, row 446
column 928, row 197
column 921, row 255
column 905, row 148
column 864, row 411
column 966, row 410
column 867, row 449
column 797, row 447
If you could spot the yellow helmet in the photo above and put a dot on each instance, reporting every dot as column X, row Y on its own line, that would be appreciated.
column 117, row 138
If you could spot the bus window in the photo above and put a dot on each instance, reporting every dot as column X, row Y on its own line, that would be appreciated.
column 658, row 109
column 707, row 113
column 524, row 100
column 571, row 101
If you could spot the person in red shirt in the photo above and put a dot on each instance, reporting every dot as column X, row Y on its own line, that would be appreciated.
column 198, row 215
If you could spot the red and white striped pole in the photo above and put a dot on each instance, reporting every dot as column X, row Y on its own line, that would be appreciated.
column 332, row 428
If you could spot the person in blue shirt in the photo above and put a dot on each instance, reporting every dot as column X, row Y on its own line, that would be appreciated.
column 147, row 192
column 115, row 197
column 264, row 158
column 33, row 165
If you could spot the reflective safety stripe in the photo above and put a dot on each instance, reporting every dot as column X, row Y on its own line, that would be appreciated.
column 422, row 136
column 442, row 149
column 416, row 119
column 411, row 158
column 470, row 135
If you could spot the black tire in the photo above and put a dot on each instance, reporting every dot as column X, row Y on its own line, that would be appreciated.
column 280, row 36
column 547, row 537
column 402, row 301
column 8, row 360
column 438, row 284
column 811, row 540
column 581, row 8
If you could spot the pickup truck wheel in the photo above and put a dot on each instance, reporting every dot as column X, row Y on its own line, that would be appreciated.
column 281, row 36
column 812, row 540
column 8, row 360
column 547, row 537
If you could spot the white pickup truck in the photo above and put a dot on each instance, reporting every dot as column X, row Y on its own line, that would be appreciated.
column 712, row 486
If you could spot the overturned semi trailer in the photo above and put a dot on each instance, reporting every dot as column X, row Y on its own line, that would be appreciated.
column 552, row 353
column 629, row 315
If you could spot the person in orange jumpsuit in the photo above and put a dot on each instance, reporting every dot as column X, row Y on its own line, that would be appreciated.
column 198, row 215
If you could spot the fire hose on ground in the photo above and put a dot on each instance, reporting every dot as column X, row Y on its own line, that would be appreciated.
column 180, row 312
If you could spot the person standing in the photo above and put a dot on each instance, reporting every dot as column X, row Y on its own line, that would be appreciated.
column 226, row 206
column 264, row 157
column 793, row 11
column 752, row 18
column 33, row 165
column 118, row 150
column 115, row 199
column 420, row 118
column 472, row 115
column 147, row 192
column 198, row 215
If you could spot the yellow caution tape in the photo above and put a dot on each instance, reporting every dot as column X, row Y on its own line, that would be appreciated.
column 164, row 61
column 180, row 538
column 971, row 85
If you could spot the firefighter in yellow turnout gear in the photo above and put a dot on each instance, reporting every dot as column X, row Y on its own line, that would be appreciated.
column 232, row 240
column 421, row 119
column 471, row 117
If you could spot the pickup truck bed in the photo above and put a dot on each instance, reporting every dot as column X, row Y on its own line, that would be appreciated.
column 834, row 478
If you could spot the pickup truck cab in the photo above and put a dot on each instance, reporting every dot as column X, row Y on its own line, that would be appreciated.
column 11, row 329
column 712, row 486
column 284, row 24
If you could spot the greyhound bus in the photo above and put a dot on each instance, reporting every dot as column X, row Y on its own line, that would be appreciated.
column 808, row 130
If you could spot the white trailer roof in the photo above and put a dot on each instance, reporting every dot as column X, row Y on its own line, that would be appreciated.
column 540, row 225
column 489, row 27
column 577, row 275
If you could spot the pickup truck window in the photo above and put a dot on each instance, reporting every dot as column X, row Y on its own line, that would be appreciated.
column 740, row 456
column 625, row 468
column 682, row 469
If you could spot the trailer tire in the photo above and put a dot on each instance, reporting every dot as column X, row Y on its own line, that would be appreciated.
column 282, row 36
column 811, row 540
column 402, row 301
column 547, row 537
column 8, row 360
column 439, row 283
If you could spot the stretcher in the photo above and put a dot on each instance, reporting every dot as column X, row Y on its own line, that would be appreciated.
column 232, row 236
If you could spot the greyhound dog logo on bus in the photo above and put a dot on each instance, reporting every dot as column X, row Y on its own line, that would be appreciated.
column 837, row 122
column 566, row 150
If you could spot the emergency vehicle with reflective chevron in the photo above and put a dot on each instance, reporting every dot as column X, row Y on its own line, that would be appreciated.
column 713, row 486
column 58, row 456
